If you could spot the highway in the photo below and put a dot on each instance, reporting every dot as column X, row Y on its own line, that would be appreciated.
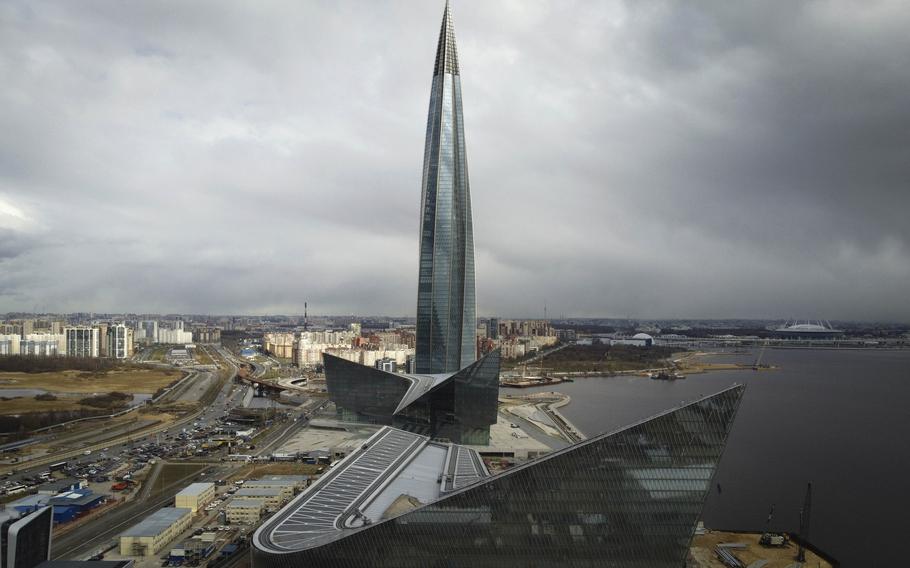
column 95, row 536
column 111, row 448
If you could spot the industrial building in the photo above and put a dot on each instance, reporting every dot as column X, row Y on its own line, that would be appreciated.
column 67, row 505
column 285, row 487
column 271, row 496
column 195, row 496
column 245, row 511
column 631, row 497
column 150, row 536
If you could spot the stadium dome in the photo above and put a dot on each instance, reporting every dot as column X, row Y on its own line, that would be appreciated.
column 805, row 327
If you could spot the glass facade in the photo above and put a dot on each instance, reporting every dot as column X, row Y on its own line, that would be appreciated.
column 361, row 393
column 458, row 407
column 27, row 541
column 627, row 499
column 446, row 316
column 461, row 408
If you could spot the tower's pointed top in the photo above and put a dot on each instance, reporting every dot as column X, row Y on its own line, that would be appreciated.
column 446, row 54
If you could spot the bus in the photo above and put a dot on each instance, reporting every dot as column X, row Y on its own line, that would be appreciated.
column 59, row 466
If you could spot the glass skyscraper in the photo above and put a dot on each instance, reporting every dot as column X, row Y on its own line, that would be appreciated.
column 451, row 395
column 625, row 499
column 446, row 318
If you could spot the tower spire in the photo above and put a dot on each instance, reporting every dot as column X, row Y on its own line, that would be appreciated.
column 446, row 53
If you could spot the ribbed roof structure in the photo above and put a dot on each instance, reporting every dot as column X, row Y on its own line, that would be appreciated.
column 446, row 52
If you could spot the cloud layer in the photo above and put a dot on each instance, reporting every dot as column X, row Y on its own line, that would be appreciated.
column 644, row 159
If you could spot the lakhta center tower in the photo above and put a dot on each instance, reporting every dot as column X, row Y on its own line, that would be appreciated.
column 451, row 395
column 446, row 318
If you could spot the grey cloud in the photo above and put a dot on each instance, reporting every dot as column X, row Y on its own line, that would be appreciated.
column 627, row 158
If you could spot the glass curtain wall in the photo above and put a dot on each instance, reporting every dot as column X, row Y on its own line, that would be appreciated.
column 630, row 499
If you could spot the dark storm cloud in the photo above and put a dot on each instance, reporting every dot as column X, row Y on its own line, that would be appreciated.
column 644, row 158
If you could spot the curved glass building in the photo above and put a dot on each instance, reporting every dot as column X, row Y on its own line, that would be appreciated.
column 625, row 499
column 446, row 317
column 457, row 407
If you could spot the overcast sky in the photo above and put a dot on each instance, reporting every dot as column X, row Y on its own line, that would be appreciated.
column 643, row 159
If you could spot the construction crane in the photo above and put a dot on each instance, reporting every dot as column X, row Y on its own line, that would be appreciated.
column 772, row 539
column 757, row 365
column 804, row 515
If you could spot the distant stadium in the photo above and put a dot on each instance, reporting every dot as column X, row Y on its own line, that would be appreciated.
column 808, row 330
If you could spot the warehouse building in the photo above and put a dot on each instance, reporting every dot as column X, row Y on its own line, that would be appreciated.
column 286, row 487
column 67, row 505
column 300, row 481
column 245, row 511
column 271, row 496
column 195, row 496
column 151, row 535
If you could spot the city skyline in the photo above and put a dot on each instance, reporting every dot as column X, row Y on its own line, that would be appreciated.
column 654, row 161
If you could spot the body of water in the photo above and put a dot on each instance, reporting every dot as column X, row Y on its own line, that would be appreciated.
column 836, row 418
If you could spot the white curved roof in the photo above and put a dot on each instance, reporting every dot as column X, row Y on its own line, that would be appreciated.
column 642, row 336
column 806, row 327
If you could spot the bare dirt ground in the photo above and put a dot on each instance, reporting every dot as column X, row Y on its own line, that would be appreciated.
column 70, row 386
column 127, row 380
column 703, row 551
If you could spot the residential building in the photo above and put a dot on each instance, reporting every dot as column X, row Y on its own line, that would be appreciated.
column 43, row 345
column 169, row 336
column 279, row 344
column 207, row 335
column 147, row 331
column 119, row 341
column 82, row 341
column 9, row 344
column 103, row 347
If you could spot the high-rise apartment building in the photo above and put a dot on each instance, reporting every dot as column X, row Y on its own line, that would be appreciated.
column 82, row 341
column 446, row 321
column 147, row 330
column 103, row 348
column 9, row 344
column 120, row 341
column 43, row 345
